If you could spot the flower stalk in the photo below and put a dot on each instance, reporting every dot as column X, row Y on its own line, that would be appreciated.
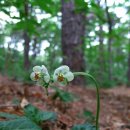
column 63, row 76
column 97, row 94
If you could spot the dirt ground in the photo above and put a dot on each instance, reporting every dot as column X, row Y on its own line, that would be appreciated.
column 115, row 104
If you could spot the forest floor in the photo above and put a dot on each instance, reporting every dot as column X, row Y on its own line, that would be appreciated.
column 115, row 104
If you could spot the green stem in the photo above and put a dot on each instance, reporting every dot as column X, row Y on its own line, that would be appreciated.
column 46, row 89
column 97, row 95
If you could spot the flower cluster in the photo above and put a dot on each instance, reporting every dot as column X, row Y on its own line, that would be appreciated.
column 62, row 75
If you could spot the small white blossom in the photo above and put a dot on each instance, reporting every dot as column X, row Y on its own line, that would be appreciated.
column 40, row 74
column 63, row 75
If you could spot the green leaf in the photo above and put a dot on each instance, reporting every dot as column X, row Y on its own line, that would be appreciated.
column 81, row 5
column 89, row 116
column 44, row 116
column 37, row 115
column 84, row 127
column 6, row 12
column 8, row 116
column 29, row 25
column 98, row 11
column 21, row 123
column 46, row 6
column 63, row 95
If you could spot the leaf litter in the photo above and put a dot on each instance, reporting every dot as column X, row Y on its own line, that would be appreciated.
column 115, row 104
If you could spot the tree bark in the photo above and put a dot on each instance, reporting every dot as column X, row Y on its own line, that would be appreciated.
column 128, row 72
column 26, row 39
column 26, row 51
column 102, row 60
column 73, row 31
column 101, row 53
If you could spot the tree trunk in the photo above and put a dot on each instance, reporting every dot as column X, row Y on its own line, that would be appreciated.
column 26, row 50
column 128, row 72
column 73, row 31
column 26, row 39
column 101, row 53
column 101, row 49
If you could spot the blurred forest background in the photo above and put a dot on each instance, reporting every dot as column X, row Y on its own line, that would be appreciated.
column 87, row 35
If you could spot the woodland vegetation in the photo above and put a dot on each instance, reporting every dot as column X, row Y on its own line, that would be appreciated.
column 91, row 36
column 88, row 36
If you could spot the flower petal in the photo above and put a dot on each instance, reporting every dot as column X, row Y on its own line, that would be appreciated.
column 55, row 77
column 62, row 69
column 44, row 69
column 40, row 82
column 69, row 76
column 32, row 76
column 37, row 68
column 47, row 78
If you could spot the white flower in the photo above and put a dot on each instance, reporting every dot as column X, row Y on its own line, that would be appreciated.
column 63, row 74
column 40, row 74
